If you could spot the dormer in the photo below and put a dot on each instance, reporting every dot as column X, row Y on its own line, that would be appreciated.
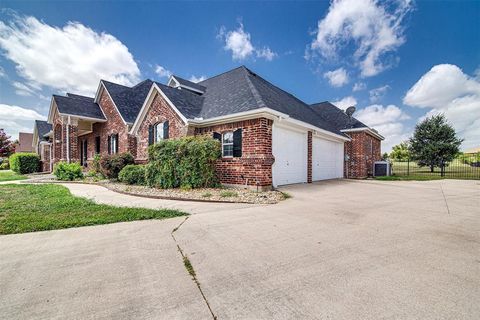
column 182, row 84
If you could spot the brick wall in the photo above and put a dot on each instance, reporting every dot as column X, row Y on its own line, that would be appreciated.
column 114, row 125
column 159, row 111
column 254, row 168
column 363, row 151
column 45, row 156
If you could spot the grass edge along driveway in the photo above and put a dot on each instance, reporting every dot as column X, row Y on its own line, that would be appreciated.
column 8, row 175
column 29, row 208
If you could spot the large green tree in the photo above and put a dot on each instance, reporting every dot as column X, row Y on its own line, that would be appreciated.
column 434, row 143
column 400, row 152
column 6, row 145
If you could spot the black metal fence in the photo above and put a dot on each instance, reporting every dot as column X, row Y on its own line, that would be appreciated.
column 466, row 166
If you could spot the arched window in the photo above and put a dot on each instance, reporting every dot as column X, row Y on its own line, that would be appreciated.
column 158, row 130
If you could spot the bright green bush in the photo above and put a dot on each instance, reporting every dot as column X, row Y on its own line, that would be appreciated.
column 25, row 162
column 186, row 162
column 112, row 164
column 132, row 174
column 68, row 171
column 5, row 165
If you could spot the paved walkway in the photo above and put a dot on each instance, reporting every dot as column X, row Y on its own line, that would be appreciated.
column 336, row 250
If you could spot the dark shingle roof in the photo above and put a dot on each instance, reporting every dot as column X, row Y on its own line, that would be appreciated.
column 190, row 84
column 241, row 90
column 78, row 106
column 43, row 127
column 336, row 116
column 128, row 100
column 188, row 103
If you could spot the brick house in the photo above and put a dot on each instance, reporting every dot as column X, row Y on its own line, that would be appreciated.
column 268, row 136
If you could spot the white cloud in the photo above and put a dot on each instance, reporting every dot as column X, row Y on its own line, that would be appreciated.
column 196, row 79
column 15, row 119
column 378, row 93
column 359, row 86
column 22, row 89
column 337, row 78
column 239, row 42
column 162, row 72
column 387, row 121
column 2, row 72
column 447, row 89
column 71, row 58
column 345, row 102
column 372, row 27
column 266, row 53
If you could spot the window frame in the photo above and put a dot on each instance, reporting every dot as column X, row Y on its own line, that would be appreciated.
column 155, row 131
column 113, row 144
column 227, row 144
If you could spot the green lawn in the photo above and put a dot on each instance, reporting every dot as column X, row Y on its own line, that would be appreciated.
column 27, row 208
column 456, row 170
column 8, row 175
column 408, row 178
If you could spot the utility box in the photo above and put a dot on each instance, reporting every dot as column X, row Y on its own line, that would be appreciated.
column 382, row 168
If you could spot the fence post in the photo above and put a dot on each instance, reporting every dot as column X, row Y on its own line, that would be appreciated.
column 408, row 166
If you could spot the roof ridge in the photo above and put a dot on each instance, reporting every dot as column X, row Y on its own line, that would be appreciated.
column 242, row 66
column 141, row 82
column 254, row 90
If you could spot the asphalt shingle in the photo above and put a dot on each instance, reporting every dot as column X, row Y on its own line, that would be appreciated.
column 43, row 127
column 79, row 106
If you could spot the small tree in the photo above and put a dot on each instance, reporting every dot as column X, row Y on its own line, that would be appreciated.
column 400, row 152
column 6, row 145
column 434, row 143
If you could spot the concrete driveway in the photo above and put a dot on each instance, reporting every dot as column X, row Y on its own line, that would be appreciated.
column 336, row 250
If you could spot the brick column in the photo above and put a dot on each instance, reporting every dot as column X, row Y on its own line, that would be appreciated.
column 309, row 157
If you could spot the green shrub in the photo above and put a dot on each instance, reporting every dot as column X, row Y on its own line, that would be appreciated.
column 25, row 162
column 5, row 165
column 186, row 162
column 132, row 174
column 96, row 167
column 68, row 171
column 112, row 164
column 228, row 194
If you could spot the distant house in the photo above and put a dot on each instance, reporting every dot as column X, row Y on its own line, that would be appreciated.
column 268, row 136
column 24, row 142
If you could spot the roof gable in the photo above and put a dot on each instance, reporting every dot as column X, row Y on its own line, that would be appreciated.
column 78, row 106
column 43, row 127
column 128, row 100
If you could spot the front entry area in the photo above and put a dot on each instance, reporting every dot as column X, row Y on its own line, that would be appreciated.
column 289, row 147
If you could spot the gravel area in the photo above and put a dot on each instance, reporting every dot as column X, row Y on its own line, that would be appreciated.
column 206, row 194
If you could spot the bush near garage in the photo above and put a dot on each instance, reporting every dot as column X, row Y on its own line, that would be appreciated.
column 187, row 162
column 132, row 174
column 24, row 163
column 68, row 171
column 112, row 164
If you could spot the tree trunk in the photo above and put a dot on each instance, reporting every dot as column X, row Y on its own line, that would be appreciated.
column 431, row 168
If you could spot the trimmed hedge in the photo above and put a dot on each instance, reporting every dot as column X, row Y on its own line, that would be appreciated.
column 24, row 162
column 187, row 162
column 68, row 171
column 112, row 164
column 132, row 174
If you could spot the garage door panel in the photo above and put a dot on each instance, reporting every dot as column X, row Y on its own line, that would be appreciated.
column 290, row 150
column 327, row 159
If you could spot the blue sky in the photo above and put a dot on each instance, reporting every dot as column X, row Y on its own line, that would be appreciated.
column 397, row 61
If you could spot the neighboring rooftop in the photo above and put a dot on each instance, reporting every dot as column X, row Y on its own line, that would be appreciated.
column 43, row 127
column 78, row 106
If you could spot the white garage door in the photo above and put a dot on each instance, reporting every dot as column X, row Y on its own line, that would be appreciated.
column 327, row 159
column 290, row 150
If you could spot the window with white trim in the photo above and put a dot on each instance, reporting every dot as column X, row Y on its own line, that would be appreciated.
column 158, row 131
column 113, row 143
column 227, row 144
